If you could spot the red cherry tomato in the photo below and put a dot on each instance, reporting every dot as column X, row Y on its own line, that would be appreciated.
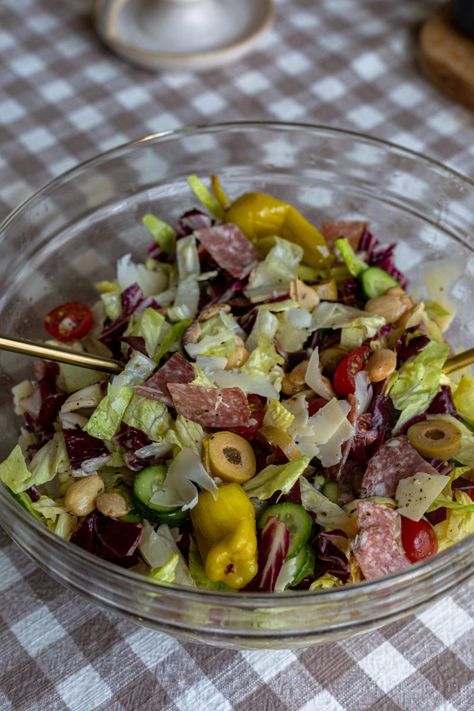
column 348, row 368
column 69, row 321
column 315, row 404
column 257, row 413
column 418, row 539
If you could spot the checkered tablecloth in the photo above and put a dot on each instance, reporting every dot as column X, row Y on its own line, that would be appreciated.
column 64, row 98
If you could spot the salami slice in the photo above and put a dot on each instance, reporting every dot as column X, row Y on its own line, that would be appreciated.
column 230, row 248
column 176, row 370
column 352, row 230
column 377, row 548
column 211, row 407
column 395, row 460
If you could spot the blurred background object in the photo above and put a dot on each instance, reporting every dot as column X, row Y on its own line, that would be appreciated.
column 182, row 34
column 447, row 50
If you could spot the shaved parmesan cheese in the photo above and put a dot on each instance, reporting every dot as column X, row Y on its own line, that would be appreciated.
column 329, row 419
column 185, row 470
column 87, row 397
column 256, row 384
column 363, row 391
column 323, row 434
column 314, row 378
column 416, row 493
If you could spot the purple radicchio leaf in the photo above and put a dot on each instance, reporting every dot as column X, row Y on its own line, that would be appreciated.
column 350, row 292
column 462, row 483
column 108, row 538
column 329, row 559
column 436, row 516
column 272, row 551
column 380, row 256
column 193, row 220
column 132, row 298
column 86, row 453
column 405, row 348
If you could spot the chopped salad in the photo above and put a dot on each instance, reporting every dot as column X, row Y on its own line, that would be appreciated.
column 281, row 422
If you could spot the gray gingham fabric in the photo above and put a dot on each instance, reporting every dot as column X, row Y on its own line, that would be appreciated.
column 64, row 98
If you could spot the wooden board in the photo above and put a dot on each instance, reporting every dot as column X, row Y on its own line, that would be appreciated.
column 447, row 57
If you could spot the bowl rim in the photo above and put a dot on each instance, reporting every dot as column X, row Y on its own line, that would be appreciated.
column 240, row 599
column 202, row 128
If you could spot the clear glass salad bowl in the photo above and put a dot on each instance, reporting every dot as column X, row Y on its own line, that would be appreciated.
column 70, row 234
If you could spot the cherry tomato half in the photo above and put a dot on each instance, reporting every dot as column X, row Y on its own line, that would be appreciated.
column 257, row 413
column 418, row 539
column 69, row 321
column 348, row 368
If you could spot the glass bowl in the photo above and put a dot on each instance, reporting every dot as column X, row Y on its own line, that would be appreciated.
column 69, row 235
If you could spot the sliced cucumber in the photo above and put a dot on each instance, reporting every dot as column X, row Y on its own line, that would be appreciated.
column 147, row 484
column 375, row 282
column 305, row 561
column 329, row 490
column 296, row 519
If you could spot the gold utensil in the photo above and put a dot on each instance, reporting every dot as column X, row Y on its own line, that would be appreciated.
column 108, row 365
column 459, row 361
column 59, row 353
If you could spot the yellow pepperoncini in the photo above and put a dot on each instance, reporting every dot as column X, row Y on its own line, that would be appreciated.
column 260, row 215
column 225, row 531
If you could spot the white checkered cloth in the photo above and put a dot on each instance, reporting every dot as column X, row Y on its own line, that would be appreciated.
column 64, row 98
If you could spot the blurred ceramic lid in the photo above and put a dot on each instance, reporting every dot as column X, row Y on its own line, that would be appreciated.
column 182, row 34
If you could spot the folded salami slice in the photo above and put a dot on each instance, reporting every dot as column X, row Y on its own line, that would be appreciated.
column 377, row 548
column 230, row 248
column 176, row 370
column 352, row 230
column 211, row 407
column 395, row 460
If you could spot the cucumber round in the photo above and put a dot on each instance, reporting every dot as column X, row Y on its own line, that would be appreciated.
column 375, row 282
column 147, row 484
column 296, row 519
column 305, row 561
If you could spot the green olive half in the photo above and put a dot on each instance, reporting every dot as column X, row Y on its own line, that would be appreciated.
column 435, row 439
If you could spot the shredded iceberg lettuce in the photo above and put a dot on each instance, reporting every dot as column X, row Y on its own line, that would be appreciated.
column 276, row 415
column 46, row 464
column 358, row 330
column 159, row 547
column 163, row 234
column 413, row 387
column 187, row 257
column 354, row 264
column 186, row 434
column 275, row 477
column 106, row 418
column 463, row 398
column 149, row 416
column 272, row 276
column 128, row 273
column 205, row 196
column 151, row 326
column 186, row 300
